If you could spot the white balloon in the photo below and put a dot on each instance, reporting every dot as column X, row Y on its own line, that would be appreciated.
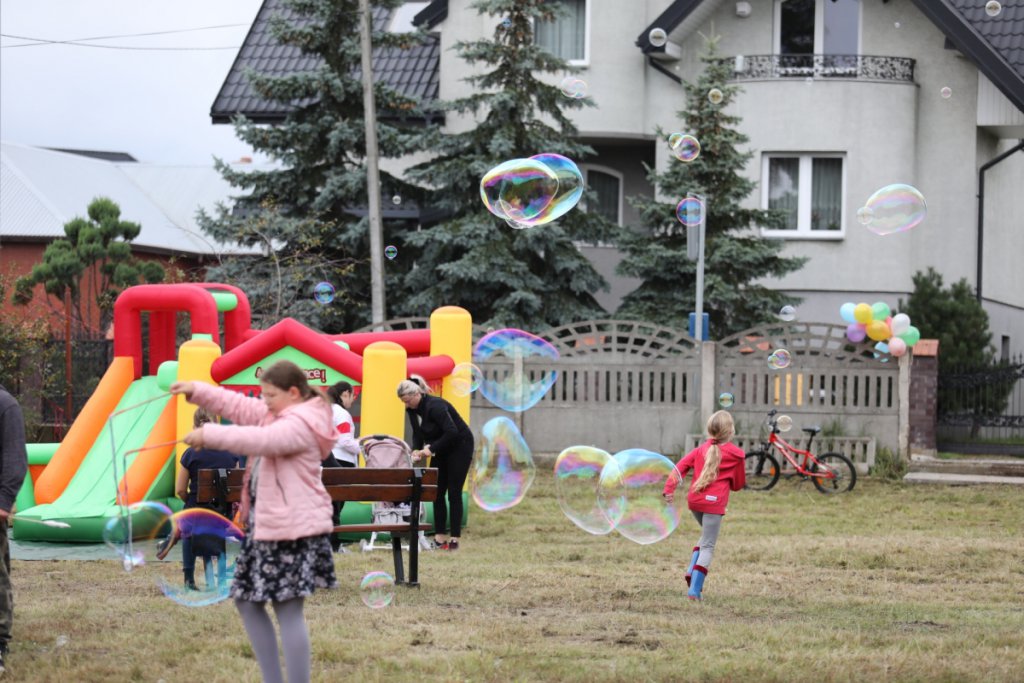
column 900, row 324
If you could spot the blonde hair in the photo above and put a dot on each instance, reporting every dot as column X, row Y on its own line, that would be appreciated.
column 201, row 417
column 414, row 385
column 720, row 429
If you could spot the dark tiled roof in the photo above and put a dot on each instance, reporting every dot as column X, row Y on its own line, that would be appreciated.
column 432, row 15
column 412, row 72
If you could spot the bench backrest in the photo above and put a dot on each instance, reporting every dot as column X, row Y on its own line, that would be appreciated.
column 393, row 485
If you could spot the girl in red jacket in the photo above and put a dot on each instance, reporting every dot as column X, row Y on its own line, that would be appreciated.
column 718, row 467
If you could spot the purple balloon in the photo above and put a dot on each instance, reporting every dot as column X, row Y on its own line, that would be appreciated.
column 855, row 332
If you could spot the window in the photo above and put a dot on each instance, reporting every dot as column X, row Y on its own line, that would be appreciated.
column 824, row 27
column 566, row 36
column 808, row 189
column 607, row 185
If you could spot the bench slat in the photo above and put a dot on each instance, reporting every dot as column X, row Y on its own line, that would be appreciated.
column 343, row 483
column 390, row 528
column 391, row 494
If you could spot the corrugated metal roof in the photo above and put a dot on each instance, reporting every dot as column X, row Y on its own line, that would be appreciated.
column 412, row 71
column 41, row 190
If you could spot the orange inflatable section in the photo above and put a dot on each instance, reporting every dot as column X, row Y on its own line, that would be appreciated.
column 85, row 430
column 149, row 461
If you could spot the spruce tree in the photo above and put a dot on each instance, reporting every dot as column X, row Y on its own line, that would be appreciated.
column 735, row 256
column 303, row 214
column 528, row 278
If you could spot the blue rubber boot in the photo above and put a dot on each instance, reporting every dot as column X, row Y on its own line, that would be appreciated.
column 697, row 582
column 693, row 562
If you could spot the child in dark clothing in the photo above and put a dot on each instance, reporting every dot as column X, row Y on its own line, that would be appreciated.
column 186, row 488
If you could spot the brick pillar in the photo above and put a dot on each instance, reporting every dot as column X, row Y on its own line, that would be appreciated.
column 924, row 395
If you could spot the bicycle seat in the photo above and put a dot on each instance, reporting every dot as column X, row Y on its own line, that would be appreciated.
column 812, row 430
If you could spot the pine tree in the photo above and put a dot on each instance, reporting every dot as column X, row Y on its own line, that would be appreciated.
column 735, row 257
column 303, row 215
column 525, row 278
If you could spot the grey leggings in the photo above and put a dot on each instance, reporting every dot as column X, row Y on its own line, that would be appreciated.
column 710, row 525
column 294, row 639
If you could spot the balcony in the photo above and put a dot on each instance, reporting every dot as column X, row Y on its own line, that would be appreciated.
column 849, row 67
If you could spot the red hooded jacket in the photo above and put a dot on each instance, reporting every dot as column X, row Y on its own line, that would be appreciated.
column 731, row 476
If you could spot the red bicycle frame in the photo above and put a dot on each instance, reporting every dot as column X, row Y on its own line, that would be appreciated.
column 788, row 450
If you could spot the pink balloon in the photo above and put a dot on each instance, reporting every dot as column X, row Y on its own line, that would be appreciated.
column 897, row 347
column 856, row 332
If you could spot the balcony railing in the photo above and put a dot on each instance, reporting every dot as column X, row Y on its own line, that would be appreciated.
column 853, row 67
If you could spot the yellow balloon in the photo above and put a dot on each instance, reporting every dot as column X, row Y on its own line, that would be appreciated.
column 862, row 314
column 878, row 330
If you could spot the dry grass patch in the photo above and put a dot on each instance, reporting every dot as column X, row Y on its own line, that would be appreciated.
column 889, row 583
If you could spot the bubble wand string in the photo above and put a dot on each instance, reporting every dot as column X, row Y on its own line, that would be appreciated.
column 164, row 394
column 152, row 447
column 45, row 522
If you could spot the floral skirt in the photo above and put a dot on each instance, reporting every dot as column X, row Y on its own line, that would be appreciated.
column 281, row 570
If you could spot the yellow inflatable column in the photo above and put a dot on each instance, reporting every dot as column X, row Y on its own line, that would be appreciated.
column 383, row 368
column 194, row 360
column 451, row 334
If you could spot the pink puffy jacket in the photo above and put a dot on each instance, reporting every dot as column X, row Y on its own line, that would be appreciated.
column 291, row 501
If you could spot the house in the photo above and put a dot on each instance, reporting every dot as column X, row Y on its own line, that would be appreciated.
column 42, row 189
column 839, row 98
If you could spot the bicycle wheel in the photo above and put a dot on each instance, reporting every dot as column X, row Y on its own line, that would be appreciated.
column 833, row 473
column 762, row 470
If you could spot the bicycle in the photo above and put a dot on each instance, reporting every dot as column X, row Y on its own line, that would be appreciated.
column 830, row 472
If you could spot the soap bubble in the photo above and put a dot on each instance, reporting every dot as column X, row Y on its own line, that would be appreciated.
column 577, row 478
column 787, row 313
column 946, row 92
column 895, row 208
column 897, row 24
column 865, row 215
column 465, row 379
column 377, row 589
column 779, row 359
column 391, row 252
column 784, row 423
column 657, row 37
column 323, row 292
column 138, row 533
column 532, row 191
column 690, row 211
column 397, row 199
column 686, row 148
column 993, row 8
column 573, row 87
column 511, row 389
column 715, row 96
column 725, row 399
column 215, row 542
column 630, row 490
column 506, row 23
column 503, row 469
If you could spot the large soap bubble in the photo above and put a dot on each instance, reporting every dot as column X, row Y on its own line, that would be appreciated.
column 139, row 533
column 893, row 208
column 514, row 388
column 214, row 541
column 534, row 191
column 630, row 490
column 577, row 478
column 503, row 469
column 377, row 589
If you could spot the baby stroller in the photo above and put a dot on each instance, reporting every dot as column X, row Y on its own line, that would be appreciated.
column 380, row 450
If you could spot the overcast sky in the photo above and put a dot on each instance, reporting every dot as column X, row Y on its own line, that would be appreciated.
column 153, row 104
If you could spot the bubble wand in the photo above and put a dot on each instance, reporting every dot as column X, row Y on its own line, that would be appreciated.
column 45, row 522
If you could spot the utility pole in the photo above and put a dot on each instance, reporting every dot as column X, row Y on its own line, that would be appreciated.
column 377, row 306
column 695, row 251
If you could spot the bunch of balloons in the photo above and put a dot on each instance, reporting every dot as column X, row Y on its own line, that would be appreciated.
column 876, row 322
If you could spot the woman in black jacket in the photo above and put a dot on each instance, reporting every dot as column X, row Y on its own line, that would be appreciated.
column 440, row 432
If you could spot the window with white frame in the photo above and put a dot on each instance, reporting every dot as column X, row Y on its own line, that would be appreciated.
column 823, row 27
column 808, row 189
column 566, row 36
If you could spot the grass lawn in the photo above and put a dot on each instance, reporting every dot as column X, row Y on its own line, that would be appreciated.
column 889, row 583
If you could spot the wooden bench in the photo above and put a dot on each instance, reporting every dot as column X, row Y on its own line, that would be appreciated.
column 414, row 485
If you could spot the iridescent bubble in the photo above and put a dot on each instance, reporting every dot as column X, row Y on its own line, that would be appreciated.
column 138, row 533
column 779, row 359
column 897, row 24
column 323, row 292
column 534, row 191
column 573, row 87
column 865, row 215
column 690, row 211
column 787, row 313
column 715, row 96
column 993, row 8
column 377, row 589
column 516, row 225
column 513, row 386
column 506, row 23
column 570, row 187
column 391, row 252
column 577, row 479
column 214, row 541
column 725, row 399
column 657, row 37
column 465, row 379
column 503, row 469
column 784, row 423
column 397, row 199
column 946, row 92
column 686, row 148
column 630, row 490
column 895, row 208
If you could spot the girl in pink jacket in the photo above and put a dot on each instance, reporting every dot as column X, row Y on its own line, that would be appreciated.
column 718, row 467
column 286, row 553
